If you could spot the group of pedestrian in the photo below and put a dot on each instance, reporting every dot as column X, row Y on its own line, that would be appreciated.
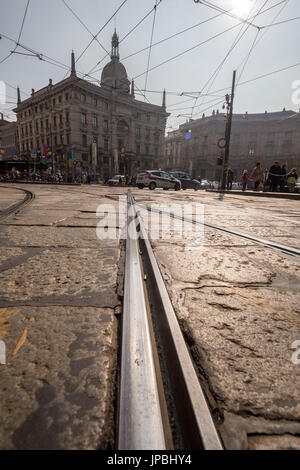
column 276, row 178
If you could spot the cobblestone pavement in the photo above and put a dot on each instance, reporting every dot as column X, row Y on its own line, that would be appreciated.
column 238, row 304
column 59, row 309
column 60, row 303
column 9, row 197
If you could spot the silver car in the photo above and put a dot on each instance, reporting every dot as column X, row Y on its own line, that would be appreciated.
column 153, row 179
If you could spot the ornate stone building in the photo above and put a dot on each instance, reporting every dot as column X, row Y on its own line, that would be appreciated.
column 7, row 139
column 255, row 138
column 100, row 129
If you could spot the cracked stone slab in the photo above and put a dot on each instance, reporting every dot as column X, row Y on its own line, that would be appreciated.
column 73, row 273
column 57, row 391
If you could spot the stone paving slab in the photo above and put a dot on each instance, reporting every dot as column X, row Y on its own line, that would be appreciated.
column 59, row 307
column 57, row 391
column 9, row 197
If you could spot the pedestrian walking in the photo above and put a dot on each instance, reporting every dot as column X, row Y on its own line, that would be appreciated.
column 275, row 176
column 291, row 180
column 229, row 179
column 257, row 176
column 245, row 179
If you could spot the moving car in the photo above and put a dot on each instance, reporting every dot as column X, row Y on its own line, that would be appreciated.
column 153, row 179
column 187, row 182
column 115, row 180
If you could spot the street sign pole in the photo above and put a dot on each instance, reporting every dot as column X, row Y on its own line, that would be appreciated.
column 228, row 133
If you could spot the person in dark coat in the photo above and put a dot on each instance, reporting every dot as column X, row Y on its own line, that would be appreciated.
column 283, row 179
column 275, row 176
column 229, row 179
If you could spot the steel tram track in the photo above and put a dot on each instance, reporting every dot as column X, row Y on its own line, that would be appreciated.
column 161, row 404
column 267, row 243
column 29, row 196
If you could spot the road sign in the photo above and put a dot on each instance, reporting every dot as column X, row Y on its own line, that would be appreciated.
column 222, row 143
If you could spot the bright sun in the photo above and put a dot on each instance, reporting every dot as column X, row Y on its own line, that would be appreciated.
column 241, row 7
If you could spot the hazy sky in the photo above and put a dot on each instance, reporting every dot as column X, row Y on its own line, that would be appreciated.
column 51, row 29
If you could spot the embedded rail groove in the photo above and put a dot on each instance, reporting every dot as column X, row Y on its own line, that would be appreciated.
column 16, row 207
column 144, row 422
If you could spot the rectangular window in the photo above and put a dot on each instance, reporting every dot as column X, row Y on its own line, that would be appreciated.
column 47, row 123
column 105, row 124
column 83, row 118
column 138, row 149
column 147, row 133
column 42, row 125
column 84, row 139
column 138, row 132
column 82, row 98
column 54, row 121
column 271, row 137
column 84, row 157
column 67, row 116
column 148, row 117
column 106, row 145
column 156, row 151
column 67, row 96
column 62, row 139
column 60, row 118
column 68, row 139
column 288, row 137
column 94, row 101
column 105, row 105
column 147, row 149
column 95, row 121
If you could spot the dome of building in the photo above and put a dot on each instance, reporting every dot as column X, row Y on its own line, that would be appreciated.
column 114, row 74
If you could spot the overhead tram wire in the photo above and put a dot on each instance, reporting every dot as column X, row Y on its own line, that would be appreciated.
column 227, row 12
column 101, row 29
column 265, row 32
column 201, row 43
column 165, row 39
column 150, row 48
column 84, row 25
column 125, row 37
column 238, row 38
column 20, row 34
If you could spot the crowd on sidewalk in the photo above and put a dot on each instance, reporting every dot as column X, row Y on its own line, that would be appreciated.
column 277, row 178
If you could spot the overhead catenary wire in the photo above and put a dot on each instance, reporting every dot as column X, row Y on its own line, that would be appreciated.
column 150, row 47
column 84, row 25
column 20, row 34
column 125, row 37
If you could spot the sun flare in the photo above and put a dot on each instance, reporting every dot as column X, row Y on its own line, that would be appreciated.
column 242, row 7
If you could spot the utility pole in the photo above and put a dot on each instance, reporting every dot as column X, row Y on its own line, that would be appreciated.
column 229, row 101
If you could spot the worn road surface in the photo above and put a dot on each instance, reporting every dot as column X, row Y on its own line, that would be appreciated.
column 237, row 302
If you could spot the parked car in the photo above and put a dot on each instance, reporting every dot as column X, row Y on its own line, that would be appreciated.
column 205, row 184
column 115, row 180
column 297, row 186
column 187, row 182
column 153, row 179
